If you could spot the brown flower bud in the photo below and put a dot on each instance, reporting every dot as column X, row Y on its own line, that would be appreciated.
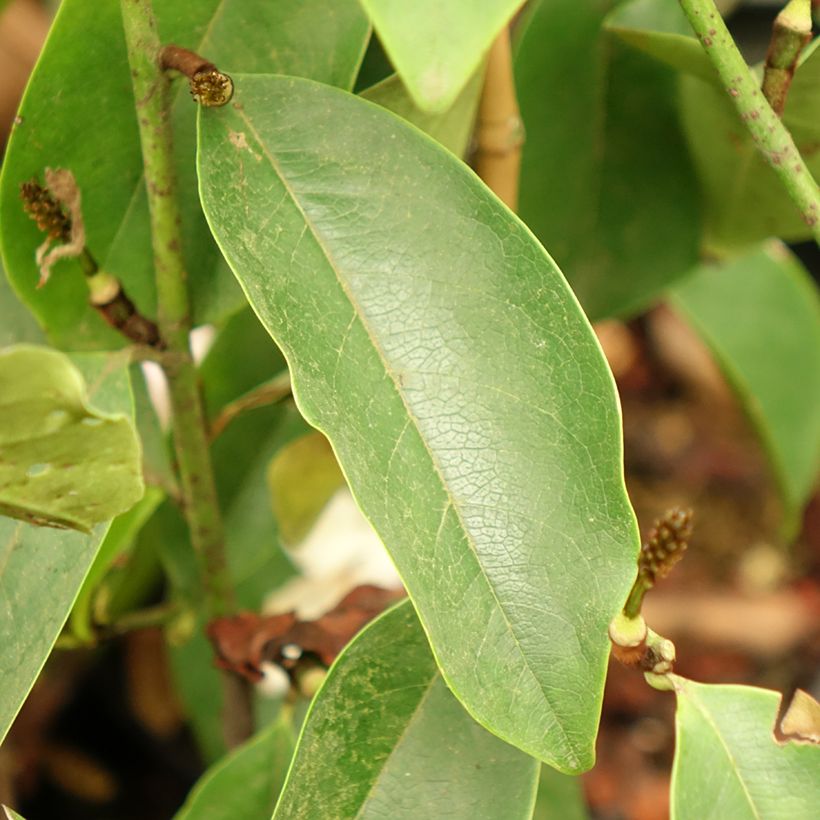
column 45, row 210
column 667, row 542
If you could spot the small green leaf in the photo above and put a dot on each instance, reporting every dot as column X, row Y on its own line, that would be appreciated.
column 760, row 315
column 559, row 797
column 452, row 128
column 440, row 350
column 245, row 783
column 728, row 763
column 606, row 181
column 744, row 201
column 384, row 737
column 11, row 814
column 62, row 463
column 437, row 46
column 660, row 28
column 302, row 478
column 41, row 569
column 78, row 113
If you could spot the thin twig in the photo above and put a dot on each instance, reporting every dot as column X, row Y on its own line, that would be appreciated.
column 209, row 86
column 499, row 130
column 201, row 504
column 270, row 392
column 772, row 138
column 147, row 618
column 790, row 34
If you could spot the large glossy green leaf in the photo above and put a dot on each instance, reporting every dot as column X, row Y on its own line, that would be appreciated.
column 438, row 347
column 78, row 112
column 606, row 182
column 384, row 737
column 744, row 201
column 246, row 783
column 452, row 127
column 760, row 315
column 436, row 46
column 41, row 569
column 62, row 463
column 728, row 764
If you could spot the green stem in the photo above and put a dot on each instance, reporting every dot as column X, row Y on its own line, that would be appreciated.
column 642, row 585
column 770, row 135
column 190, row 430
column 790, row 34
column 151, row 92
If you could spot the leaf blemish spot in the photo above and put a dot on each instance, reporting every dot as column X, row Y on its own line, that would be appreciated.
column 238, row 140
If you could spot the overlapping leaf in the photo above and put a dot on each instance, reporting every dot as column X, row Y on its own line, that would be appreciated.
column 760, row 315
column 385, row 738
column 437, row 46
column 41, row 569
column 606, row 182
column 728, row 763
column 660, row 28
column 438, row 347
column 452, row 127
column 62, row 463
column 78, row 113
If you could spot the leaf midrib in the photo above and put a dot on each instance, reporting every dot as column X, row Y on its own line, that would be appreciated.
column 733, row 767
column 398, row 742
column 568, row 748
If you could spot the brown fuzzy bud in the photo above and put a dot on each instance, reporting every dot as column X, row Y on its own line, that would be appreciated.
column 667, row 542
column 45, row 210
